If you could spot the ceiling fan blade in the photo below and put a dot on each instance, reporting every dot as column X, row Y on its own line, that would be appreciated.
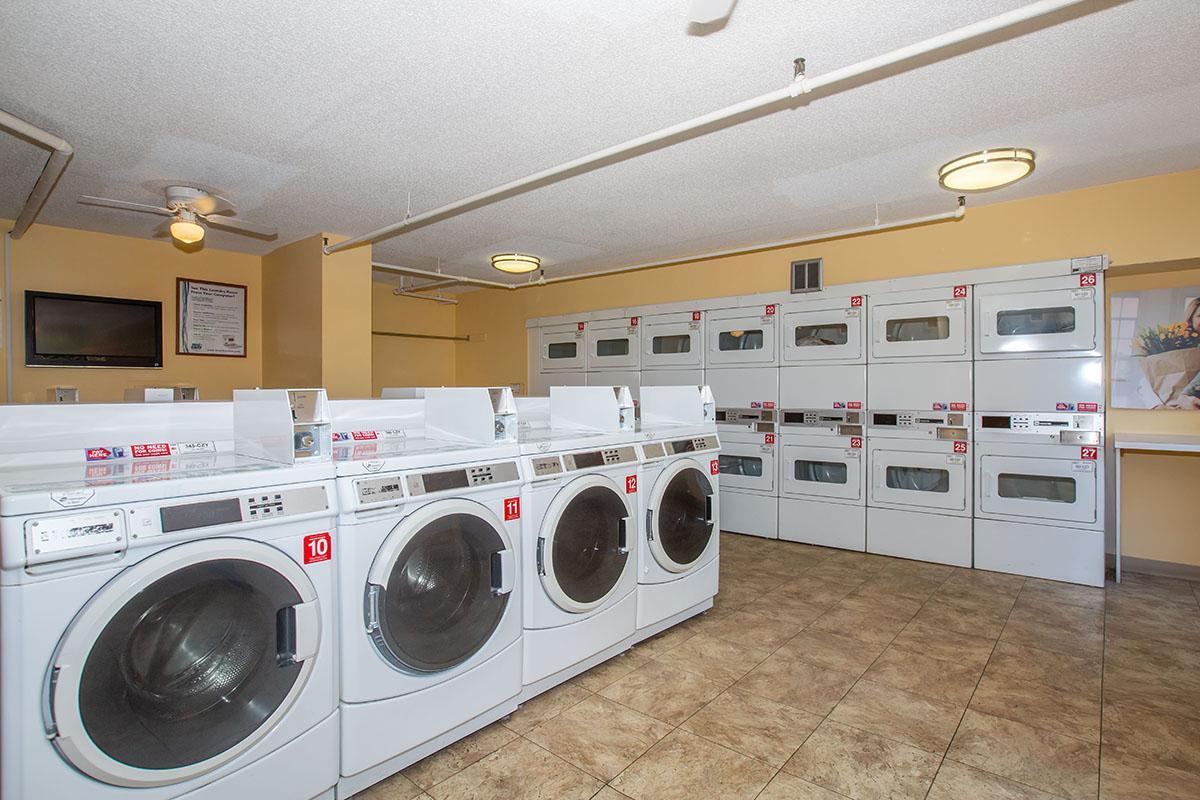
column 125, row 205
column 240, row 225
column 708, row 12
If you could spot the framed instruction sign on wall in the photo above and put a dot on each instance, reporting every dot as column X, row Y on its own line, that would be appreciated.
column 211, row 318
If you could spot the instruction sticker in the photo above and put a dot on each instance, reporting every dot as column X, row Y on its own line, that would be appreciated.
column 150, row 450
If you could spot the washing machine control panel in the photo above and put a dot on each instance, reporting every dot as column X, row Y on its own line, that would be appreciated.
column 388, row 489
column 420, row 483
column 544, row 466
column 591, row 459
column 694, row 445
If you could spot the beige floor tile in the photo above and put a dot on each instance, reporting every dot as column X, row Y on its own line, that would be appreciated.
column 1156, row 628
column 910, row 587
column 1087, row 642
column 664, row 692
column 1048, row 761
column 458, row 756
column 753, row 726
column 714, row 658
column 1170, row 691
column 1049, row 708
column 1123, row 777
column 837, row 573
column 880, row 604
column 996, row 583
column 1060, row 670
column 788, row 607
column 684, row 766
column 518, row 771
column 944, row 644
column 954, row 615
column 599, row 736
column 949, row 681
column 796, row 683
column 754, row 631
column 833, row 651
column 609, row 793
column 671, row 637
column 1167, row 590
column 546, row 705
column 959, row 782
column 734, row 594
column 616, row 667
column 1151, row 656
column 1165, row 739
column 789, row 787
column 862, row 765
column 975, row 597
column 918, row 569
column 1058, row 614
column 1066, row 593
column 896, row 714
column 866, row 625
column 816, row 591
column 396, row 787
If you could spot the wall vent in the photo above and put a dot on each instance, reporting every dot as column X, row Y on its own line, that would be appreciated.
column 808, row 276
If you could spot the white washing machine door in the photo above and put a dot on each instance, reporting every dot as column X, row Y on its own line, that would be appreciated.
column 182, row 662
column 681, row 515
column 583, row 550
column 439, row 586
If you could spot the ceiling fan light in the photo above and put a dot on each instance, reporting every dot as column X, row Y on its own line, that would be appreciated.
column 986, row 170
column 515, row 263
column 185, row 229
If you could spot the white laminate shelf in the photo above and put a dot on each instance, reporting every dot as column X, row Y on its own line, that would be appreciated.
column 1147, row 443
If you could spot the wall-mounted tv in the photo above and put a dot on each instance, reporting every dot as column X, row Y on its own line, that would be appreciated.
column 72, row 330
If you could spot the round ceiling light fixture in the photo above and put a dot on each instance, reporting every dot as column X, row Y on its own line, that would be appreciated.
column 986, row 170
column 185, row 229
column 516, row 263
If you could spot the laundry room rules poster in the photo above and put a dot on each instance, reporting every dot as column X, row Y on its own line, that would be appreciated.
column 1156, row 349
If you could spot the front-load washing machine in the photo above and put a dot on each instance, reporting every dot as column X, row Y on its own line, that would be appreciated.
column 918, row 439
column 579, row 553
column 822, row 476
column 170, row 625
column 1039, row 468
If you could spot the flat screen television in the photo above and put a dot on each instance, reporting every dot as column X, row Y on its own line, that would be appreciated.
column 72, row 330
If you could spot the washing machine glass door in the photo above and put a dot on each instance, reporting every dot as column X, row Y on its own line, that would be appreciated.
column 584, row 549
column 182, row 662
column 680, row 517
column 439, row 586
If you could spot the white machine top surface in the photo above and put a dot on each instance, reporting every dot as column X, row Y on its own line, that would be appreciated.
column 558, row 440
column 54, row 487
column 389, row 455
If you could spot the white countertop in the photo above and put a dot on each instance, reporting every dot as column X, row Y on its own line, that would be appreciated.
column 1162, row 442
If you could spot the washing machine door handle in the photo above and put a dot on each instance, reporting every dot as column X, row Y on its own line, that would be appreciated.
column 623, row 535
column 297, row 633
column 504, row 572
column 708, row 508
column 650, row 524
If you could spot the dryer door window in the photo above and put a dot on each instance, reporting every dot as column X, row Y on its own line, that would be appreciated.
column 442, row 598
column 588, row 547
column 171, row 672
column 683, row 519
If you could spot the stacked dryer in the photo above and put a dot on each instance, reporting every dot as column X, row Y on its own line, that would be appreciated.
column 741, row 366
column 614, row 353
column 673, row 348
column 561, row 356
column 918, row 434
column 822, row 391
column 1039, row 426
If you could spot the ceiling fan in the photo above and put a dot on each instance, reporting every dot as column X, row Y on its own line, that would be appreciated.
column 187, row 207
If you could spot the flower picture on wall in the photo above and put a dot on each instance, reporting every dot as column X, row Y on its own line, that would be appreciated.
column 1156, row 349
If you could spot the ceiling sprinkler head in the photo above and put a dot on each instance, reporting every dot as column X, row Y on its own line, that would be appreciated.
column 798, row 64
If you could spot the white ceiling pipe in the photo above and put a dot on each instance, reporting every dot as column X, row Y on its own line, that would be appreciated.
column 877, row 227
column 973, row 36
column 428, row 273
column 61, row 153
column 436, row 298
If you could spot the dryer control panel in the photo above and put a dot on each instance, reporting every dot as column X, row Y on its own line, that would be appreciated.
column 945, row 425
column 591, row 459
column 472, row 477
column 1049, row 427
column 839, row 422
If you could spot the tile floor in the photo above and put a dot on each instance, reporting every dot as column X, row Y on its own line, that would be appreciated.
column 823, row 674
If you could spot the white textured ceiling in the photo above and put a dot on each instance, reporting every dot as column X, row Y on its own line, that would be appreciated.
column 326, row 116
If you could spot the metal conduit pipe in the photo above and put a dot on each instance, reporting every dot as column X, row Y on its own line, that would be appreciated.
column 428, row 273
column 61, row 153
column 963, row 39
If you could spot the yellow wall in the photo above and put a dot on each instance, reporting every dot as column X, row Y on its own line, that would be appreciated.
column 410, row 362
column 82, row 262
column 1145, row 221
column 291, row 312
column 346, row 322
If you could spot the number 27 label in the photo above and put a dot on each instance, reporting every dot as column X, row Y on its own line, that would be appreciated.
column 1088, row 453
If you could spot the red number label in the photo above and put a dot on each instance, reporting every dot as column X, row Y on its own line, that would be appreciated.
column 695, row 316
column 855, row 442
column 1088, row 406
column 1087, row 279
column 769, row 438
column 958, row 406
column 714, row 466
column 768, row 404
column 512, row 508
column 581, row 325
column 770, row 310
column 1088, row 453
column 960, row 291
column 854, row 404
column 856, row 301
column 317, row 547
column 633, row 321
column 960, row 447
column 630, row 484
